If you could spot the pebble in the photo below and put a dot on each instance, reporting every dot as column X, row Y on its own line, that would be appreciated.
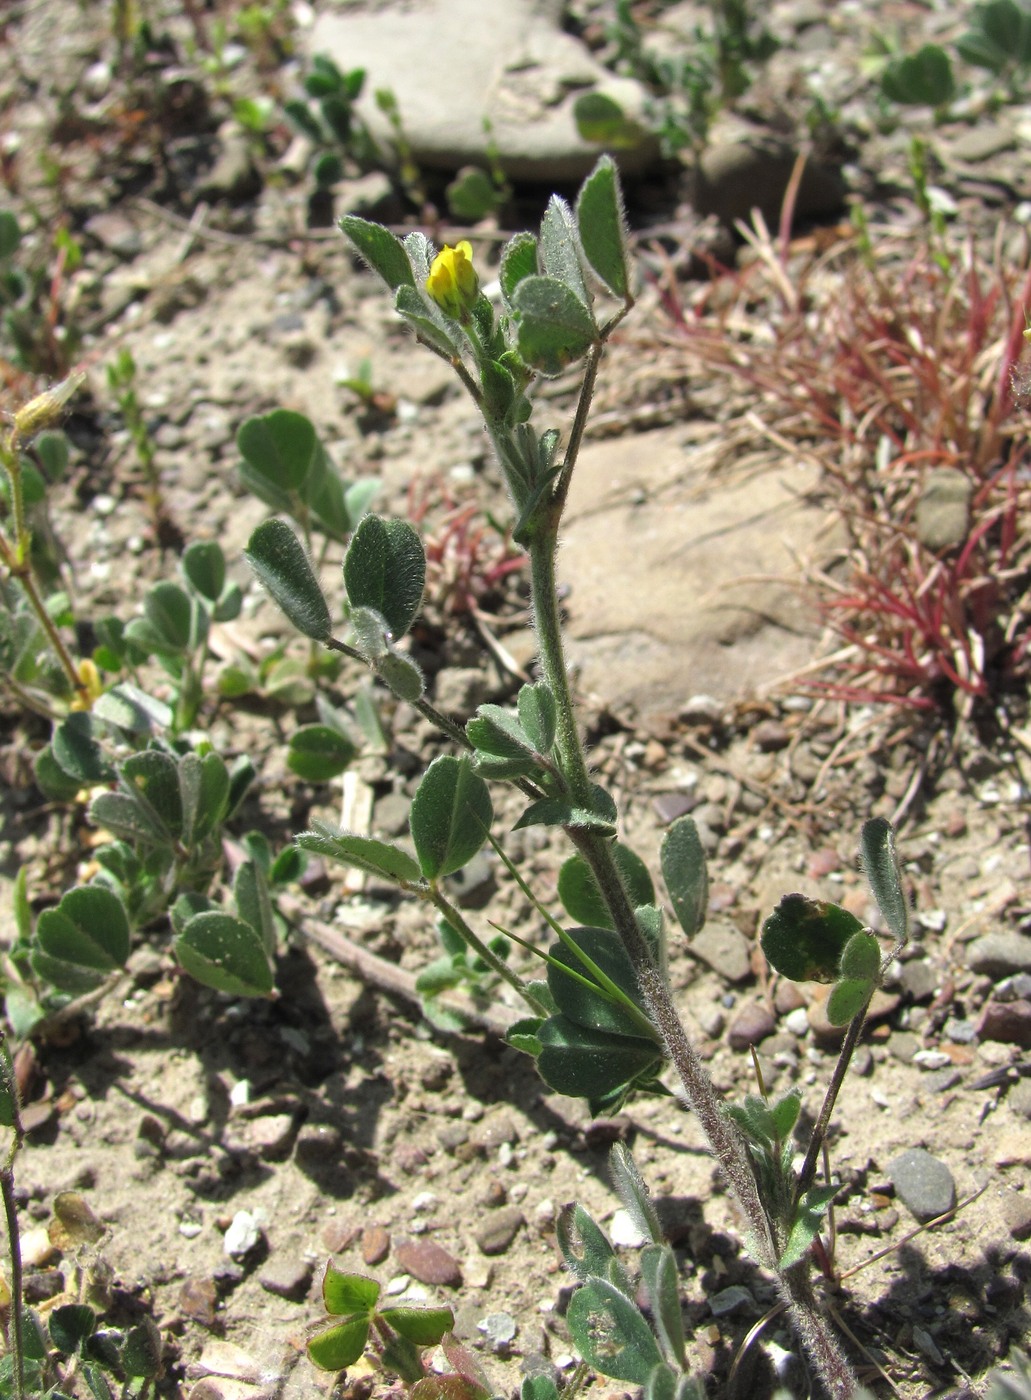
column 670, row 805
column 726, row 950
column 753, row 1022
column 770, row 735
column 499, row 1328
column 288, row 1275
column 734, row 1299
column 375, row 1244
column 317, row 1144
column 919, row 980
column 797, row 1021
column 1013, row 1149
column 496, row 1233
column 922, row 1183
column 1000, row 953
column 429, row 1262
column 1019, row 1098
column 940, row 1081
column 1006, row 1021
column 1015, row 1208
column 198, row 1299
column 243, row 1234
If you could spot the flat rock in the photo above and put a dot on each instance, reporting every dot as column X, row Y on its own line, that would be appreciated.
column 429, row 1262
column 1006, row 1021
column 661, row 566
column 922, row 1183
column 999, row 953
column 287, row 1275
column 725, row 949
column 451, row 64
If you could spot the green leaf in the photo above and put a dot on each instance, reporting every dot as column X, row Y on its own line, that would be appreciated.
column 204, row 795
column 226, row 954
column 804, row 938
column 340, row 1347
column 82, row 939
column 538, row 716
column 362, row 852
column 590, row 1064
column 383, row 252
column 999, row 37
column 385, row 569
column 595, row 1006
column 345, row 1294
column 582, row 899
column 587, row 1250
column 557, row 811
column 610, row 1334
column 784, row 1114
column 518, row 260
column 140, row 1353
column 423, row 1327
column 847, row 999
column 497, row 731
column 450, row 816
column 923, row 78
column 318, row 753
column 555, row 328
column 630, row 1188
column 279, row 446
column 277, row 557
column 96, row 1380
column 559, row 253
column 253, row 903
column 53, row 782
column 402, row 675
column 70, row 1325
column 152, row 779
column 472, row 194
column 132, row 709
column 77, row 752
column 204, row 565
column 808, row 1220
column 880, row 863
column 170, row 613
column 682, row 857
column 10, row 233
column 861, row 957
column 123, row 815
column 659, row 1273
column 423, row 319
column 603, row 122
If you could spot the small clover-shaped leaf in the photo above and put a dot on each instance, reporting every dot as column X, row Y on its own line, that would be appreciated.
column 340, row 1346
column 611, row 1334
column 682, row 857
column 223, row 952
column 602, row 226
column 279, row 446
column 582, row 899
column 555, row 328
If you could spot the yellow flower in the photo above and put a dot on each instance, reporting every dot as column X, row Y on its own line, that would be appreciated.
column 453, row 283
column 89, row 688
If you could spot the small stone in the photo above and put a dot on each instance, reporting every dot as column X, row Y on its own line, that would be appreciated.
column 1013, row 1149
column 712, row 1021
column 198, row 1299
column 271, row 1135
column 770, row 735
column 982, row 141
column 1006, row 1021
column 318, row 1144
column 922, row 1183
column 726, row 950
column 498, row 1231
column 1015, row 1208
column 288, row 1276
column 797, row 1021
column 375, row 1245
column 243, row 1235
column 734, row 1299
column 753, row 1023
column 338, row 1235
column 787, row 998
column 943, row 508
column 670, row 805
column 919, row 980
column 1000, row 953
column 37, row 1248
column 940, row 1081
column 1019, row 1098
column 429, row 1263
column 499, row 1328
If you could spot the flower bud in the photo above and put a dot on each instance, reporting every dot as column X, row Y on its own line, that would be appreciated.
column 90, row 686
column 453, row 283
column 46, row 409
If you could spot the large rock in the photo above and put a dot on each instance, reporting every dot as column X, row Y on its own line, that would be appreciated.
column 452, row 63
column 680, row 584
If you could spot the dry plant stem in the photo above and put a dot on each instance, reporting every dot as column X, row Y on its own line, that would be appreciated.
column 816, row 1334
